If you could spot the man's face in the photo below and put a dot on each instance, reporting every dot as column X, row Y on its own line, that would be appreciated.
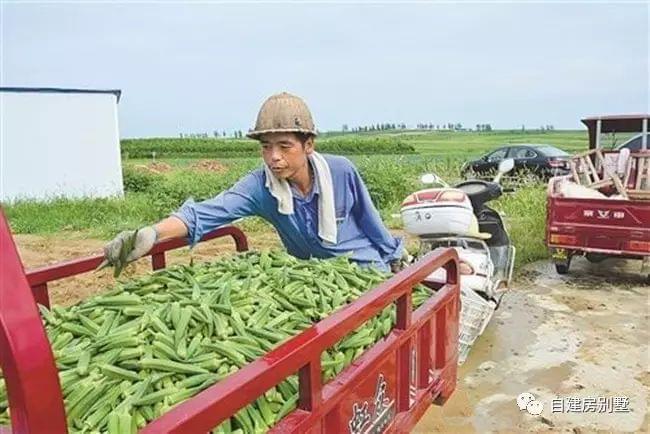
column 285, row 154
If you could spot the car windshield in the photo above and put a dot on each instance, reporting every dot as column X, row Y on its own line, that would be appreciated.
column 551, row 151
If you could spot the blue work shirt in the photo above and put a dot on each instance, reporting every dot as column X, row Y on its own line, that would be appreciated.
column 360, row 230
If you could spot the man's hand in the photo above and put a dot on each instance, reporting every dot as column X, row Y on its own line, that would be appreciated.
column 398, row 265
column 128, row 246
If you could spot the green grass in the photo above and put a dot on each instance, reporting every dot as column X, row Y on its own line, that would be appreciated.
column 150, row 197
column 185, row 162
column 453, row 148
column 468, row 145
column 524, row 213
column 230, row 148
column 97, row 218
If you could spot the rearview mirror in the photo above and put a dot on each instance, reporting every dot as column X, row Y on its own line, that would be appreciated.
column 429, row 178
column 506, row 165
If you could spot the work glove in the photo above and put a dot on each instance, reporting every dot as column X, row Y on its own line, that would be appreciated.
column 128, row 246
column 398, row 265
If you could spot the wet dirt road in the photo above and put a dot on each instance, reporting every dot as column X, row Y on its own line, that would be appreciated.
column 578, row 338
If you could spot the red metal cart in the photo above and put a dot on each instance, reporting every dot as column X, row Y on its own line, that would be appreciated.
column 600, row 228
column 388, row 388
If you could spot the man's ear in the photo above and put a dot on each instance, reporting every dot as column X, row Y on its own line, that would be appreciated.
column 309, row 145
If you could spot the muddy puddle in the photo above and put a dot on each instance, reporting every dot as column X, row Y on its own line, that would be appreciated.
column 578, row 343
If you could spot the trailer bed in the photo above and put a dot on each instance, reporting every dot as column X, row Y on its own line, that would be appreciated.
column 607, row 226
column 386, row 389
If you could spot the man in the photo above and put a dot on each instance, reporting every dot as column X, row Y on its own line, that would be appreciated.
column 319, row 204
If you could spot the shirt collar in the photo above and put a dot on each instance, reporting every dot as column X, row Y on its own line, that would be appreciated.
column 315, row 189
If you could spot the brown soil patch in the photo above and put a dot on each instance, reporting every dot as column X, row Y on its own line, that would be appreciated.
column 209, row 166
column 644, row 379
column 155, row 167
column 37, row 251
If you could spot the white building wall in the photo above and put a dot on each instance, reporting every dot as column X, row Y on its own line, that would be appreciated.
column 59, row 145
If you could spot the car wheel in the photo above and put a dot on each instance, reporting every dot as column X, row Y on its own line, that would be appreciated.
column 595, row 258
column 467, row 173
column 547, row 175
column 520, row 176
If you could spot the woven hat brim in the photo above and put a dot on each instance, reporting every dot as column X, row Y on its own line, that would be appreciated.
column 257, row 134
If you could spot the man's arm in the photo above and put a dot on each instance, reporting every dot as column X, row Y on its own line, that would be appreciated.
column 192, row 220
column 200, row 218
column 390, row 247
column 171, row 227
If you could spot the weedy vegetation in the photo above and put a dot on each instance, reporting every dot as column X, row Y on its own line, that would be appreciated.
column 390, row 164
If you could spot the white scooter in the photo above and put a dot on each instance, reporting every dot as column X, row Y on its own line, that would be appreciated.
column 458, row 217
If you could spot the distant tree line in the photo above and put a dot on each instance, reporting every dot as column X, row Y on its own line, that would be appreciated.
column 448, row 126
column 373, row 127
column 541, row 129
column 483, row 127
column 236, row 134
column 419, row 126
column 387, row 126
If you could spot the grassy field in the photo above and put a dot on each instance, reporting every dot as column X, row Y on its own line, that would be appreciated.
column 153, row 194
column 229, row 148
column 470, row 144
column 442, row 144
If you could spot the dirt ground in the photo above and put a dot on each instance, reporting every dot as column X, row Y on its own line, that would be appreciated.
column 585, row 335
column 38, row 251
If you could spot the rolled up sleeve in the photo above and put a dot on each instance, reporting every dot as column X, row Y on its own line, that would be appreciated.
column 229, row 205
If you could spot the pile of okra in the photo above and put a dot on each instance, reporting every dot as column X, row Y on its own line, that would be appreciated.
column 129, row 355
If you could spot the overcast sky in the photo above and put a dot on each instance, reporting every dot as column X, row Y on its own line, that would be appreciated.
column 206, row 65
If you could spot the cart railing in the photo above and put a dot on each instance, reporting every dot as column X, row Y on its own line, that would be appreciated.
column 39, row 277
column 26, row 358
column 420, row 353
column 423, row 343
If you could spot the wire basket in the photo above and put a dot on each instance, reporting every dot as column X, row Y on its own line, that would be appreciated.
column 475, row 314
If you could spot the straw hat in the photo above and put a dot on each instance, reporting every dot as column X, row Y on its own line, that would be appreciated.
column 283, row 113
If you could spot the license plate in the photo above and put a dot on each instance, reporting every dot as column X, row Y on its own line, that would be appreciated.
column 559, row 254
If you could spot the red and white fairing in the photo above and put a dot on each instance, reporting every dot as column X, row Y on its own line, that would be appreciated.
column 437, row 211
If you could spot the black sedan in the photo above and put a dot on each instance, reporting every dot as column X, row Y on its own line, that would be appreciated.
column 635, row 143
column 542, row 161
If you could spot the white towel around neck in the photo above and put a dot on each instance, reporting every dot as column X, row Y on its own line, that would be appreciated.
column 280, row 189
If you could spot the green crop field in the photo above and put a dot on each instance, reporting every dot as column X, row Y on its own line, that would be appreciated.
column 445, row 144
column 472, row 144
column 228, row 148
column 391, row 167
